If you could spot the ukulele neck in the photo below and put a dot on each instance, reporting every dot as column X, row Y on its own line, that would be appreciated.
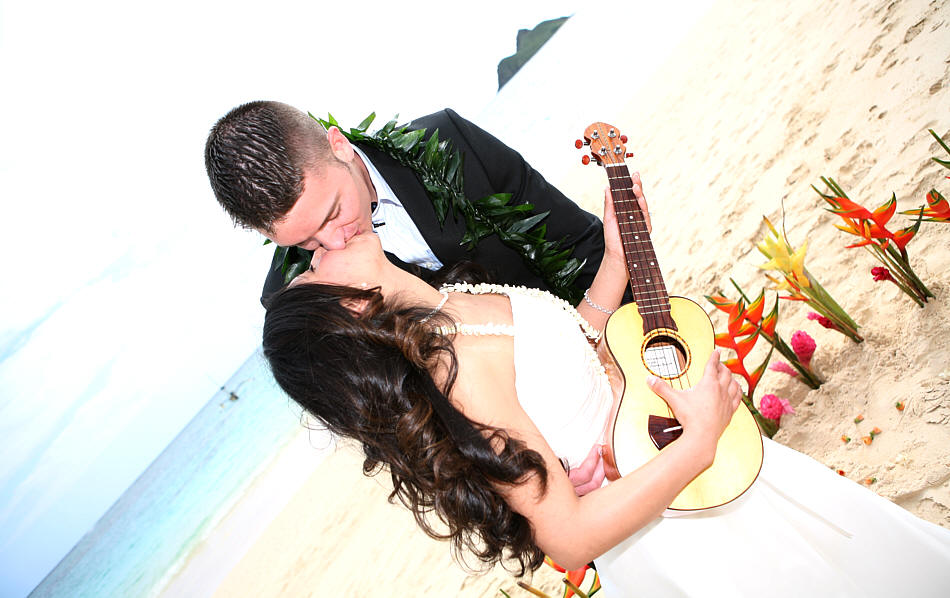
column 646, row 280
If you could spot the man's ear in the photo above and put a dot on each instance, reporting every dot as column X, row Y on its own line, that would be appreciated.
column 340, row 145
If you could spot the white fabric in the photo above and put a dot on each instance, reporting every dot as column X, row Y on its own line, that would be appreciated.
column 801, row 531
column 398, row 234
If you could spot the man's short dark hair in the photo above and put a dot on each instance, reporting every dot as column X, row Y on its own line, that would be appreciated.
column 256, row 157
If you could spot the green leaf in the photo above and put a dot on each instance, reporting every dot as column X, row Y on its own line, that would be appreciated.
column 409, row 140
column 430, row 153
column 529, row 223
column 497, row 199
column 454, row 170
column 363, row 126
column 943, row 145
column 294, row 270
column 441, row 208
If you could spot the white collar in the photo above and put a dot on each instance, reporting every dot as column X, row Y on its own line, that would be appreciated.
column 384, row 193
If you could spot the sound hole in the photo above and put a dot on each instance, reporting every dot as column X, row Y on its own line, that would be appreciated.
column 665, row 357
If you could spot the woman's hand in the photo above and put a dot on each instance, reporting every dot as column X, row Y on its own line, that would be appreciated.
column 613, row 247
column 706, row 409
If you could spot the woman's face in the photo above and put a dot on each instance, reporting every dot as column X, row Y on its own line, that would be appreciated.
column 357, row 264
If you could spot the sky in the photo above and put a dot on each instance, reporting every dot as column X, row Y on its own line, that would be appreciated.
column 129, row 298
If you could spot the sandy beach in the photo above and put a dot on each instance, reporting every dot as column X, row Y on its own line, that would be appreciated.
column 759, row 102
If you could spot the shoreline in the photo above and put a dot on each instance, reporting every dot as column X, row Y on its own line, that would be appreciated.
column 204, row 567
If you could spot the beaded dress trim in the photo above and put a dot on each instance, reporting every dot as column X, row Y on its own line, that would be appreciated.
column 506, row 329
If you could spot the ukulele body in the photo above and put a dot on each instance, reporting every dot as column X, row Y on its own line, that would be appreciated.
column 640, row 424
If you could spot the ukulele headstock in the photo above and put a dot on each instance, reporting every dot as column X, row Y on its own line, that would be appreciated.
column 607, row 145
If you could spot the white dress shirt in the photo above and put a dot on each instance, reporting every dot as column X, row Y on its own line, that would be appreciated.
column 398, row 234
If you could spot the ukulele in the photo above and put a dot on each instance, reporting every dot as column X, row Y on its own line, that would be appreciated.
column 669, row 337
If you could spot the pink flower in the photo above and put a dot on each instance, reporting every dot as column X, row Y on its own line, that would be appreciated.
column 781, row 366
column 773, row 407
column 824, row 321
column 804, row 347
column 880, row 273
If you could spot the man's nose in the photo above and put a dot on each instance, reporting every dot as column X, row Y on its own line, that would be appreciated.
column 332, row 239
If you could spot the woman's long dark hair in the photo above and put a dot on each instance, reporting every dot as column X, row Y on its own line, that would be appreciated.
column 365, row 374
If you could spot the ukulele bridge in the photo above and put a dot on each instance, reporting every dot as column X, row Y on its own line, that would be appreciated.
column 663, row 430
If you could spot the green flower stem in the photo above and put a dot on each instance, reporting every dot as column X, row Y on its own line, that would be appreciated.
column 898, row 276
column 768, row 426
column 823, row 303
column 900, row 264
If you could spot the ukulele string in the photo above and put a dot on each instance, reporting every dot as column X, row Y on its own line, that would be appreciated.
column 655, row 306
column 633, row 229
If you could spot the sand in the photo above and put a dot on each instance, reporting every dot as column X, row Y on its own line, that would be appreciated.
column 758, row 103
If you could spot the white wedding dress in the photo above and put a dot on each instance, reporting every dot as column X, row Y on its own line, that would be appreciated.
column 801, row 531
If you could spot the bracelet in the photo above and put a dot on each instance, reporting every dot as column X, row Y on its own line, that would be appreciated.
column 595, row 306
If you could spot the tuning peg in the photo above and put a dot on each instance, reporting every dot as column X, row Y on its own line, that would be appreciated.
column 623, row 139
column 585, row 160
column 578, row 143
column 630, row 155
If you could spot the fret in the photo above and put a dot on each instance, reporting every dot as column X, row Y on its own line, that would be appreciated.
column 662, row 311
column 658, row 303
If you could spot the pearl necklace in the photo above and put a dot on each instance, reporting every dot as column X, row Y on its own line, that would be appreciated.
column 495, row 289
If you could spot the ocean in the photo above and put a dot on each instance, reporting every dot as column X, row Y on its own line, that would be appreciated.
column 147, row 535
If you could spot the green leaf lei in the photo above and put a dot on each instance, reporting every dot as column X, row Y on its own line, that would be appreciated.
column 439, row 167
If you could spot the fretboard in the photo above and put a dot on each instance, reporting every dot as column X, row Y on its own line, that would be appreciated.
column 646, row 280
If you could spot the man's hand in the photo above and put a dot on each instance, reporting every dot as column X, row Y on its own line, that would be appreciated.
column 589, row 475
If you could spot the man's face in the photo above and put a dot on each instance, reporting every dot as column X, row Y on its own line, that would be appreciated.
column 334, row 205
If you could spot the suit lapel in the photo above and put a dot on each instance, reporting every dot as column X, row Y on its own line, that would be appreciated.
column 443, row 240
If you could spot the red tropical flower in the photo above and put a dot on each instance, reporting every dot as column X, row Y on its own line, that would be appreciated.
column 880, row 274
column 826, row 322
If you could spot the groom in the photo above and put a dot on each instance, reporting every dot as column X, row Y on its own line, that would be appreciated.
column 276, row 170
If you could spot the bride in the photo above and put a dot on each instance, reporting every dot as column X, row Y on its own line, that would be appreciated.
column 476, row 398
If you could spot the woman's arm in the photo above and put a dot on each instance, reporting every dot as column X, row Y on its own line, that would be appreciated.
column 575, row 530
column 611, row 279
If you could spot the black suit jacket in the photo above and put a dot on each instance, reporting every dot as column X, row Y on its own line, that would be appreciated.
column 490, row 167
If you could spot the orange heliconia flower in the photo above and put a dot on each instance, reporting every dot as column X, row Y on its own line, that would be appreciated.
column 937, row 210
column 870, row 226
column 576, row 577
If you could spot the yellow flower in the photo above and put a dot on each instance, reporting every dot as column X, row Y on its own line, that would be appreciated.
column 783, row 258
